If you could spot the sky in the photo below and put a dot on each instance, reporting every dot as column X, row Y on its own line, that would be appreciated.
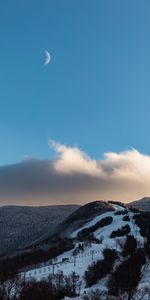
column 94, row 96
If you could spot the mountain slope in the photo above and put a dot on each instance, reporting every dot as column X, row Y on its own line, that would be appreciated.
column 20, row 226
column 142, row 204
column 101, row 246
column 84, row 214
column 105, row 230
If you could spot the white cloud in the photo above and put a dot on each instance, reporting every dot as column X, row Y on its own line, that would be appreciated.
column 73, row 160
column 73, row 177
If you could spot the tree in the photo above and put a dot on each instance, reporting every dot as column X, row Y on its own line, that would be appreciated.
column 130, row 245
column 10, row 284
column 101, row 268
column 36, row 291
column 126, row 276
column 74, row 282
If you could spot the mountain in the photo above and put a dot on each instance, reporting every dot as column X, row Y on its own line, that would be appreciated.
column 21, row 226
column 105, row 244
column 83, row 214
column 142, row 204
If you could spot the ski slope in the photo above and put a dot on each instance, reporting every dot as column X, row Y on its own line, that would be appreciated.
column 67, row 262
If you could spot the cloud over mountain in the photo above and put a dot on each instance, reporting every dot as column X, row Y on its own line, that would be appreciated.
column 73, row 177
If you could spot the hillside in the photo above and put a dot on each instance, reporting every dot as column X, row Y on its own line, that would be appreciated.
column 100, row 251
column 109, row 254
column 83, row 214
column 142, row 204
column 21, row 226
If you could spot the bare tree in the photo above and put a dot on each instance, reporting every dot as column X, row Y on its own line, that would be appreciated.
column 10, row 285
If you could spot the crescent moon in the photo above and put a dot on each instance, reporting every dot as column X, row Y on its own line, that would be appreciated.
column 47, row 57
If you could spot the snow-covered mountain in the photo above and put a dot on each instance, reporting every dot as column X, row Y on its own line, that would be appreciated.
column 107, row 241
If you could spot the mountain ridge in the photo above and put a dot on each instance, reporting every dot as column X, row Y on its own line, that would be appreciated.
column 22, row 225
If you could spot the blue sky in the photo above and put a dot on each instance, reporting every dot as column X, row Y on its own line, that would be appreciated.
column 95, row 93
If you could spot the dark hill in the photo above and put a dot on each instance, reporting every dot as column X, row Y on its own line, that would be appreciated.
column 142, row 204
column 21, row 226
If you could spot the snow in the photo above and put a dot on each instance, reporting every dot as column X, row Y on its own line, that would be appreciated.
column 92, row 222
column 91, row 252
column 98, row 218
column 118, row 207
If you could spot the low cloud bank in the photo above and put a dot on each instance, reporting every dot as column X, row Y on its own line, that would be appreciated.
column 73, row 177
